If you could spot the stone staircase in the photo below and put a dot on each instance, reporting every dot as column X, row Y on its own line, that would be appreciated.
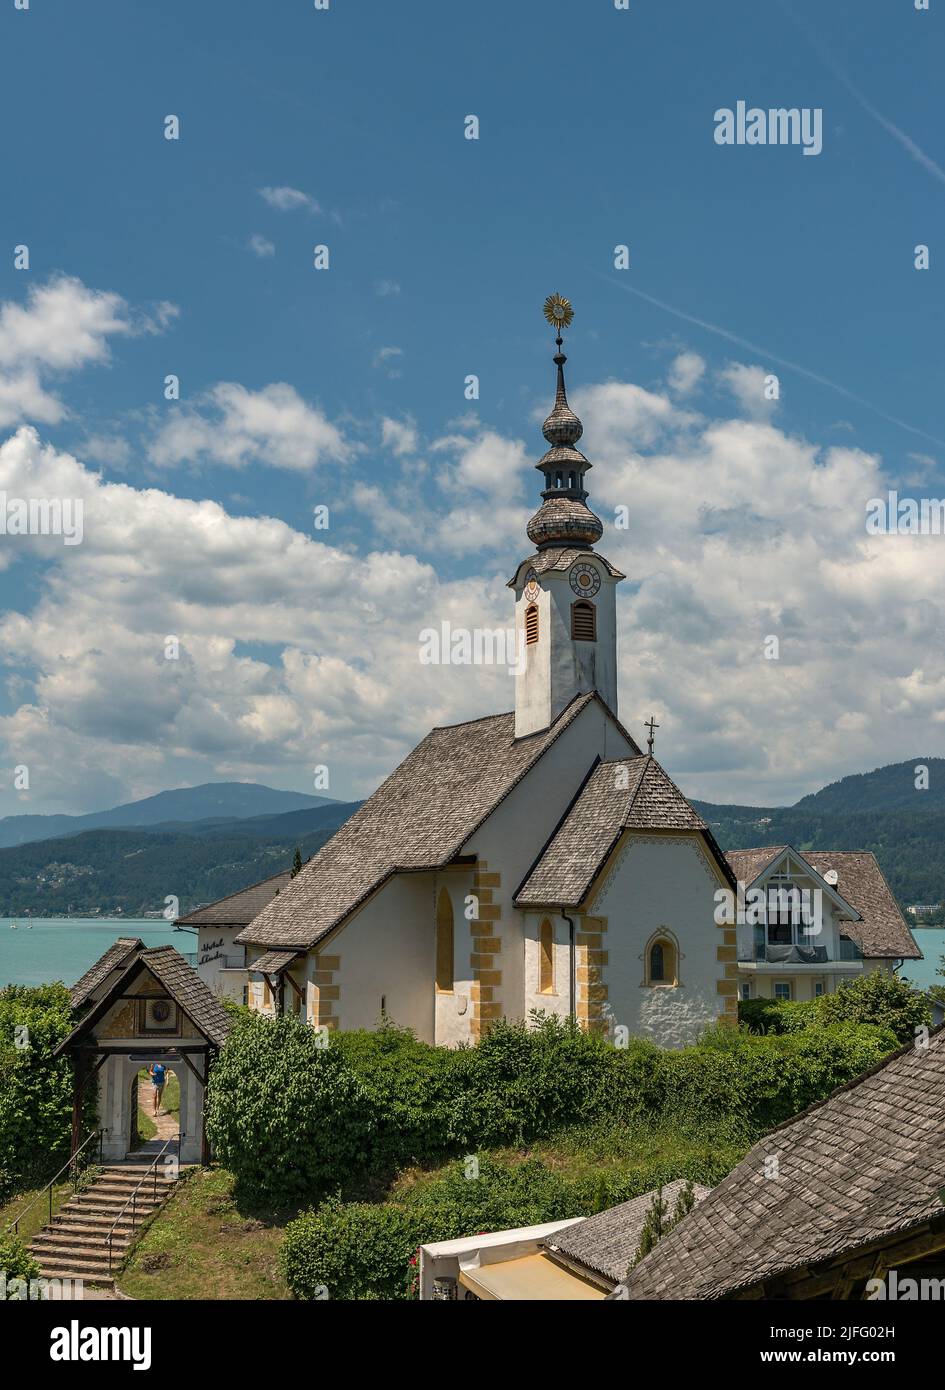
column 73, row 1245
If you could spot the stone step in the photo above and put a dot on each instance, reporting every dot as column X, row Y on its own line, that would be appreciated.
column 87, row 1221
column 115, row 1202
column 88, row 1240
column 63, row 1270
column 80, row 1261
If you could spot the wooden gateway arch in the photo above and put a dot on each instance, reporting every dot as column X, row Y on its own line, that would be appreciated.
column 143, row 1005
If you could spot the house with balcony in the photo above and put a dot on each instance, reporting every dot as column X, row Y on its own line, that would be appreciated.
column 809, row 922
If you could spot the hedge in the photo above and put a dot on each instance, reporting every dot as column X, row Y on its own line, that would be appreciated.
column 35, row 1090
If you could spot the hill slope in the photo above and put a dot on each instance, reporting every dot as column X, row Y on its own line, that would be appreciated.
column 211, row 800
column 103, row 871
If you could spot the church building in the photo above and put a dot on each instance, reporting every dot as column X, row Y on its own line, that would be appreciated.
column 537, row 859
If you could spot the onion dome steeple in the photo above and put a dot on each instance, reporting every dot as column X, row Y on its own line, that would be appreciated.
column 564, row 519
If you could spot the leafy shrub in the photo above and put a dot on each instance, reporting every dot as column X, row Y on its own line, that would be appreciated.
column 16, row 1262
column 287, row 1116
column 35, row 1090
column 352, row 1250
column 882, row 1000
column 410, row 1087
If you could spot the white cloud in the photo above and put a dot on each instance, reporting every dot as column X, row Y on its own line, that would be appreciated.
column 62, row 327
column 285, row 199
column 234, row 426
column 747, row 385
column 386, row 288
column 686, row 371
column 399, row 436
column 261, row 246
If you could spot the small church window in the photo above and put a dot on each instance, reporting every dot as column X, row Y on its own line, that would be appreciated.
column 531, row 624
column 444, row 943
column 546, row 958
column 662, row 962
column 583, row 621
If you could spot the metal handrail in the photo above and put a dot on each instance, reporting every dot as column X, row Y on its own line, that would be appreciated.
column 133, row 1199
column 93, row 1134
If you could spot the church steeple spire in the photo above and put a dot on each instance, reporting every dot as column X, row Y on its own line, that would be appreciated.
column 564, row 519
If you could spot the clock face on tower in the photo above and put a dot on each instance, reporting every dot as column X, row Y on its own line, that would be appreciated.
column 585, row 580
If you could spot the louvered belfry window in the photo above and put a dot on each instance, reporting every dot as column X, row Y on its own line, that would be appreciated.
column 531, row 624
column 583, row 621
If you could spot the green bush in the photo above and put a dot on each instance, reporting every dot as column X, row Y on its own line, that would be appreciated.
column 879, row 999
column 16, row 1262
column 410, row 1087
column 352, row 1250
column 35, row 1090
column 287, row 1116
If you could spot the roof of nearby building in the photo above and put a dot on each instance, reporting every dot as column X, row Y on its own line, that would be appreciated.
column 862, row 1166
column 273, row 962
column 882, row 931
column 169, row 968
column 116, row 955
column 237, row 909
column 608, row 1242
column 419, row 818
column 618, row 795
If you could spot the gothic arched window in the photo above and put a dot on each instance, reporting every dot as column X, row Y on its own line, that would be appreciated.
column 662, row 960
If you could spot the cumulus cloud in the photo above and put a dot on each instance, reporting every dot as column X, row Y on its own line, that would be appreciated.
column 234, row 426
column 686, row 371
column 747, row 384
column 63, row 326
column 285, row 199
column 399, row 436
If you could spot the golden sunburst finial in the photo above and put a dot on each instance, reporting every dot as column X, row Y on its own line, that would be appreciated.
column 558, row 311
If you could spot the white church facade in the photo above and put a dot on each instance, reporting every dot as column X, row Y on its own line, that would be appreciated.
column 530, row 860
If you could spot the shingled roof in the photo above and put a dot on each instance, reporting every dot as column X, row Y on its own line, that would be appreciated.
column 562, row 558
column 169, row 968
column 117, row 954
column 237, row 909
column 882, row 931
column 863, row 1166
column 608, row 1243
column 618, row 795
column 419, row 818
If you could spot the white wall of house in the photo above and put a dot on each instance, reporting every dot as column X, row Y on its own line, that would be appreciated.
column 387, row 951
column 217, row 952
column 660, row 883
column 557, row 1001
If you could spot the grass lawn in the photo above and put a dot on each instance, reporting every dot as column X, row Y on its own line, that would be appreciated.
column 201, row 1246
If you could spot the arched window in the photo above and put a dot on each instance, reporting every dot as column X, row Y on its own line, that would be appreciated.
column 583, row 621
column 662, row 961
column 444, row 942
column 531, row 624
column 546, row 958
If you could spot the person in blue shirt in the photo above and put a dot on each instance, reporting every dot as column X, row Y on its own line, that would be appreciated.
column 158, row 1076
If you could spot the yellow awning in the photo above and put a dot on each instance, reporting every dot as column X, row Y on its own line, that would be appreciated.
column 529, row 1277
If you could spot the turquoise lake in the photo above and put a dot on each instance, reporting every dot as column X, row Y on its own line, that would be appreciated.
column 63, row 948
column 922, row 973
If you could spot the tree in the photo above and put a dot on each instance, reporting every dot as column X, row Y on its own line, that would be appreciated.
column 658, row 1223
column 297, row 861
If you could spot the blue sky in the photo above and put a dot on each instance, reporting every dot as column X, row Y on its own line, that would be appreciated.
column 596, row 129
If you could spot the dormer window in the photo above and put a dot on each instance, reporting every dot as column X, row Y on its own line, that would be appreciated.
column 583, row 621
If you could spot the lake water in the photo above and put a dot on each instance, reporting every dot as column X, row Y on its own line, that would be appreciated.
column 63, row 948
column 922, row 973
